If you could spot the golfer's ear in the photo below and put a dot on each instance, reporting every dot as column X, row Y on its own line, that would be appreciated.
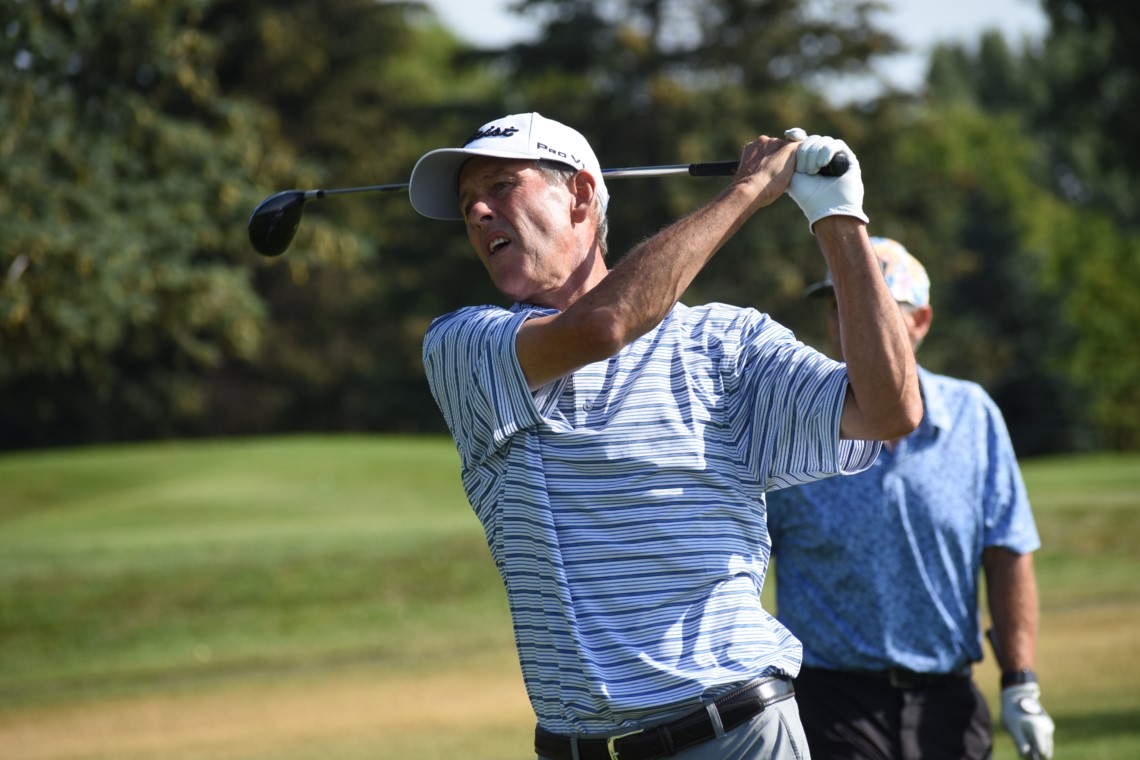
column 921, row 319
column 583, row 187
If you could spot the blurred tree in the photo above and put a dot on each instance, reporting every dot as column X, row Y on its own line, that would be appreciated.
column 1074, row 229
column 967, row 193
column 363, row 89
column 1091, row 61
column 994, row 77
column 1092, row 272
column 138, row 137
column 122, row 190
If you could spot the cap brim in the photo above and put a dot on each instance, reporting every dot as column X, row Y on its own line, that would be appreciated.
column 434, row 186
column 819, row 289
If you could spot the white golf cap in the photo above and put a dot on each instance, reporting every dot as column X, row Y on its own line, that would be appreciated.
column 433, row 188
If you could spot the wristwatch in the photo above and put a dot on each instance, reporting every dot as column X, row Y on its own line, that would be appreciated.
column 1016, row 677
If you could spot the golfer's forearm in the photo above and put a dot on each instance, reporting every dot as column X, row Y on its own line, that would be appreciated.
column 641, row 290
column 650, row 279
column 632, row 299
column 884, row 400
column 638, row 293
column 1012, row 595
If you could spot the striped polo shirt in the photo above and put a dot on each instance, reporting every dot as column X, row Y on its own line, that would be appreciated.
column 624, row 504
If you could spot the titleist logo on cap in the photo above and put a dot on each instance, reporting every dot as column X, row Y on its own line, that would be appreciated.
column 539, row 147
column 479, row 134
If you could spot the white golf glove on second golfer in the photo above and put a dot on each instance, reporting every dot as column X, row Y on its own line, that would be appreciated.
column 1026, row 720
column 819, row 196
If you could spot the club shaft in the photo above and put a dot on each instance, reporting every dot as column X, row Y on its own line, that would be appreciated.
column 707, row 169
column 311, row 194
column 274, row 221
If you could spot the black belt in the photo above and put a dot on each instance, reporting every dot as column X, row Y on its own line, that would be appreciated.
column 669, row 738
column 901, row 678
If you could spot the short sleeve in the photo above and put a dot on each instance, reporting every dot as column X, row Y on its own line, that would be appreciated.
column 1008, row 516
column 473, row 372
column 790, row 401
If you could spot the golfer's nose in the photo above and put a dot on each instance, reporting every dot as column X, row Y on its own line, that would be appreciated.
column 480, row 212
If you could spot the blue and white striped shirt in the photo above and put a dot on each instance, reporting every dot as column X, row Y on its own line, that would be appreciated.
column 624, row 506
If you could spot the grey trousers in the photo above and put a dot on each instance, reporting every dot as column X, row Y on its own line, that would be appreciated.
column 775, row 734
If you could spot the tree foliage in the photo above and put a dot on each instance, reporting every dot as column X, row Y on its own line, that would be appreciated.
column 1075, row 222
column 966, row 191
column 139, row 136
column 364, row 89
column 1091, row 62
column 123, row 182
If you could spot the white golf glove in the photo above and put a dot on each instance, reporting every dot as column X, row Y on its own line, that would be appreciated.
column 1026, row 720
column 819, row 196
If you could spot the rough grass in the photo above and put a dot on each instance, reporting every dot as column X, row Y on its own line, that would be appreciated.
column 316, row 597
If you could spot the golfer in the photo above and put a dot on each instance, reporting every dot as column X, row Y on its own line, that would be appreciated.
column 616, row 445
column 877, row 574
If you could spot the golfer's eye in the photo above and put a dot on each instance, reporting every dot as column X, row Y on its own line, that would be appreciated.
column 467, row 206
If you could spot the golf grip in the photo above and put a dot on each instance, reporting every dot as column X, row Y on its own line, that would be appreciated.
column 836, row 167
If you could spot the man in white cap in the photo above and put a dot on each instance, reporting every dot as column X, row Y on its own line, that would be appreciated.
column 616, row 444
column 878, row 574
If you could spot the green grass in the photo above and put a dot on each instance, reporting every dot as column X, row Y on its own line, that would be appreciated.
column 1088, row 512
column 121, row 564
column 192, row 580
column 1088, row 574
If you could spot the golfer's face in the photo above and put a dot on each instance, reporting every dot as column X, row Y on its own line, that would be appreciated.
column 519, row 225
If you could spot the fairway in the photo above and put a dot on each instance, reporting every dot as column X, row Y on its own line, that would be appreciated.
column 316, row 597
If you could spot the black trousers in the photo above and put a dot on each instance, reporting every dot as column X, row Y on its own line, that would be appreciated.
column 848, row 716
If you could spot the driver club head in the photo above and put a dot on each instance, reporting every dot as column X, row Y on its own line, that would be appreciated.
column 274, row 222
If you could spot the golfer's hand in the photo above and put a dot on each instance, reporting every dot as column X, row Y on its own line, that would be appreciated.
column 1026, row 720
column 819, row 196
column 766, row 167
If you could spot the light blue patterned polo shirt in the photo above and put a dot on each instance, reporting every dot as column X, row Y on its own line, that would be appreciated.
column 624, row 505
column 881, row 569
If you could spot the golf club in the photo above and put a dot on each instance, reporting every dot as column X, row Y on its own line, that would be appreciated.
column 274, row 222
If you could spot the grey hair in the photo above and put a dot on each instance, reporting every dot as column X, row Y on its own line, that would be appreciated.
column 557, row 172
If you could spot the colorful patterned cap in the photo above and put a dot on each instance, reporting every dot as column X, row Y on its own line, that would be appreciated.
column 906, row 277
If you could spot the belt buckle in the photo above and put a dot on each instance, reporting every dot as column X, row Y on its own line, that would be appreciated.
column 610, row 742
